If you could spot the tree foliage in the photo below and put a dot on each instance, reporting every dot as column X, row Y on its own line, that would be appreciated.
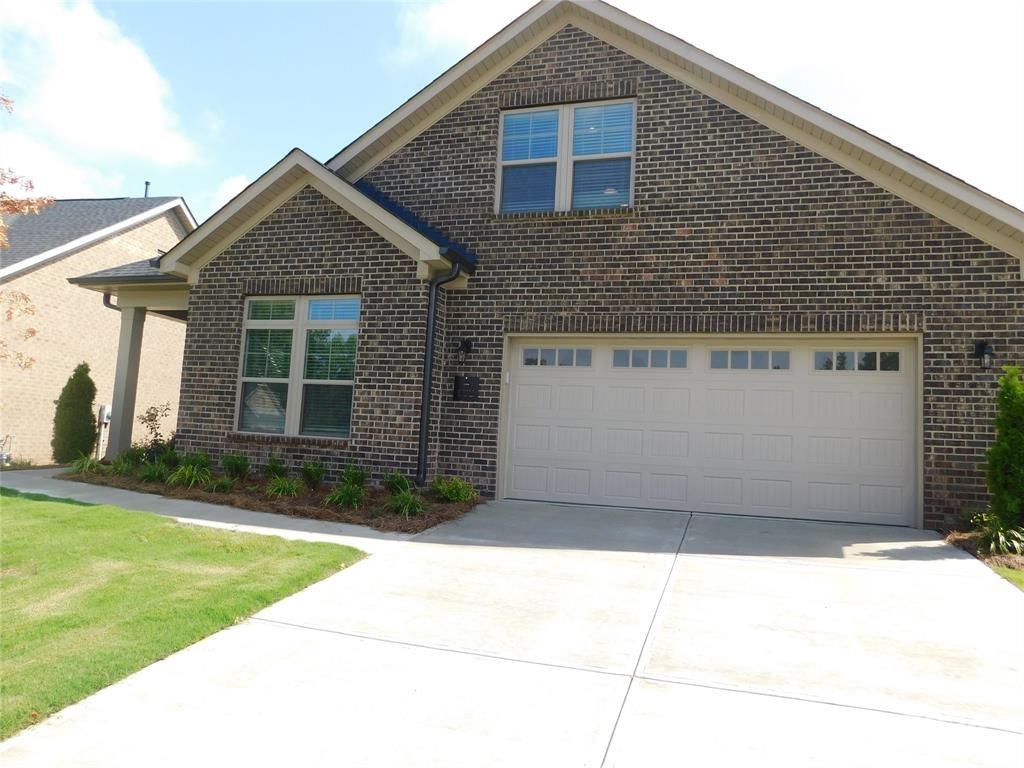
column 74, row 423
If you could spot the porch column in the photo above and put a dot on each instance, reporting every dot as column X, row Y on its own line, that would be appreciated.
column 126, row 379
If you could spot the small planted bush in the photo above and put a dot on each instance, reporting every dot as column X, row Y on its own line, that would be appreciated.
column 220, row 485
column 405, row 503
column 122, row 466
column 396, row 482
column 74, row 421
column 154, row 472
column 312, row 474
column 354, row 475
column 87, row 465
column 167, row 456
column 346, row 495
column 236, row 466
column 199, row 459
column 452, row 489
column 1002, row 524
column 275, row 468
column 190, row 476
column 282, row 487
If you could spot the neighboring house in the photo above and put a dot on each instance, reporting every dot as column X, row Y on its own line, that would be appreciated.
column 672, row 286
column 65, row 239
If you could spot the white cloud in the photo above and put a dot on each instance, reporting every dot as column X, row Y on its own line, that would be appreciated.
column 940, row 83
column 53, row 173
column 81, row 82
column 226, row 190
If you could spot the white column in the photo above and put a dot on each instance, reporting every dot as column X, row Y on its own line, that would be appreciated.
column 126, row 379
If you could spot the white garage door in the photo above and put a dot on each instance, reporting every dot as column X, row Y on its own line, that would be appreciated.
column 822, row 430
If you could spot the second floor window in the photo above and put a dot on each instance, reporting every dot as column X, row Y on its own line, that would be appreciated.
column 569, row 157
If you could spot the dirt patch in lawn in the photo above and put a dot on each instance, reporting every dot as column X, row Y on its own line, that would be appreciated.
column 969, row 542
column 251, row 494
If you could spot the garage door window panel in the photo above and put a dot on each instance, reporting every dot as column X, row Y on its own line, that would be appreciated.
column 748, row 359
column 649, row 358
column 846, row 360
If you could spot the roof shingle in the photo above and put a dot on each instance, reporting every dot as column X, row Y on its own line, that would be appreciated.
column 67, row 220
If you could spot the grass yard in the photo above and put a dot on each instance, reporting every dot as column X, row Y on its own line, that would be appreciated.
column 1013, row 575
column 91, row 594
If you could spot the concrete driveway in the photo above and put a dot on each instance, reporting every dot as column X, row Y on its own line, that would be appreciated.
column 536, row 635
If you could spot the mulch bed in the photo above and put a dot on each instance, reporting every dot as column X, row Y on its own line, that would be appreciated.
column 249, row 494
column 968, row 542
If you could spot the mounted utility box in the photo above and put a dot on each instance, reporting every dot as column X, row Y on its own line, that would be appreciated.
column 467, row 388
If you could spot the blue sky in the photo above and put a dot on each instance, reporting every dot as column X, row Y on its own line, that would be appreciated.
column 200, row 98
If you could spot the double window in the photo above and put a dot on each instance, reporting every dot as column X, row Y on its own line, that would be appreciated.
column 570, row 157
column 299, row 365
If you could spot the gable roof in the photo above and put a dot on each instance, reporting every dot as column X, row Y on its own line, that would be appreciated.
column 68, row 225
column 931, row 189
column 281, row 182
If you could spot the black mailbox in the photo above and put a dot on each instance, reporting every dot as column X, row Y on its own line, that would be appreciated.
column 467, row 388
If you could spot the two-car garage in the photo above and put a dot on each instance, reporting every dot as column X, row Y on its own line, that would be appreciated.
column 822, row 428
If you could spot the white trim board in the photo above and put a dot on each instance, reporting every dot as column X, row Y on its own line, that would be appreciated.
column 944, row 196
column 100, row 234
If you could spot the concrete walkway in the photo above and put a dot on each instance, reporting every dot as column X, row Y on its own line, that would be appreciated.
column 537, row 635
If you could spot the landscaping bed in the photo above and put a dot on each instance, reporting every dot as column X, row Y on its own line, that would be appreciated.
column 1009, row 566
column 251, row 493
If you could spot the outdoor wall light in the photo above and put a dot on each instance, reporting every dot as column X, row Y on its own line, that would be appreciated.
column 985, row 352
column 465, row 348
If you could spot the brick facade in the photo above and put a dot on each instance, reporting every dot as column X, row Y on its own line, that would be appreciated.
column 734, row 228
column 73, row 326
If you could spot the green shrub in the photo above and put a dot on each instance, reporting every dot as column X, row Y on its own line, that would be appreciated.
column 996, row 537
column 167, row 456
column 74, row 422
column 154, row 472
column 126, row 462
column 312, row 474
column 1005, row 471
column 190, row 476
column 346, row 495
column 452, row 489
column 405, row 503
column 396, row 482
column 122, row 466
column 275, row 468
column 87, row 465
column 198, row 459
column 353, row 474
column 281, row 486
column 220, row 485
column 236, row 466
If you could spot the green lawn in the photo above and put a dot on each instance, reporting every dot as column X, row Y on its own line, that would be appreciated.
column 1012, row 575
column 91, row 594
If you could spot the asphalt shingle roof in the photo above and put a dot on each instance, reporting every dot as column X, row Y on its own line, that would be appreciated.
column 144, row 271
column 456, row 250
column 66, row 220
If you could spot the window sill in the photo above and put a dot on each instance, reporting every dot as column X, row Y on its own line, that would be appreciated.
column 272, row 439
column 587, row 213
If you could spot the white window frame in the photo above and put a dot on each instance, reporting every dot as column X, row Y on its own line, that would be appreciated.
column 857, row 352
column 749, row 369
column 297, row 365
column 563, row 159
column 649, row 349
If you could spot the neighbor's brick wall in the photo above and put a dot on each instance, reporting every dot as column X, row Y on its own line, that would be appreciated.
column 72, row 327
column 309, row 246
column 734, row 226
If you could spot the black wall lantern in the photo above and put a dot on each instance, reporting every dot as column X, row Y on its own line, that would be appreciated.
column 985, row 353
column 465, row 348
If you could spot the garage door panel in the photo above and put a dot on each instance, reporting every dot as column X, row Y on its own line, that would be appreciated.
column 796, row 442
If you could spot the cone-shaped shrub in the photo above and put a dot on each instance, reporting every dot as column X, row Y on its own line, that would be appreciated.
column 1006, row 456
column 74, row 423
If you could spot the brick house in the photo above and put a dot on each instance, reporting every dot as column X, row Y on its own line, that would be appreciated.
column 594, row 264
column 70, row 327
